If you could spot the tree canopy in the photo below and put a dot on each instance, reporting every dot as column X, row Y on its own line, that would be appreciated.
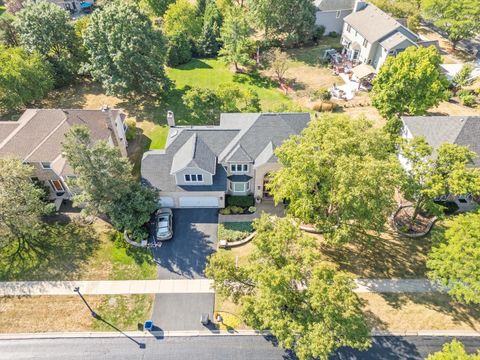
column 293, row 20
column 285, row 287
column 453, row 351
column 429, row 177
column 455, row 262
column 409, row 83
column 46, row 28
column 235, row 34
column 339, row 175
column 460, row 19
column 158, row 7
column 127, row 54
column 106, row 184
column 24, row 78
column 21, row 206
column 181, row 17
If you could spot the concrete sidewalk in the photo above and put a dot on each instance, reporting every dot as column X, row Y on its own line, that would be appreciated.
column 120, row 287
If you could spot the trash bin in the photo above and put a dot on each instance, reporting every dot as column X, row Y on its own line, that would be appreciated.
column 148, row 325
column 204, row 319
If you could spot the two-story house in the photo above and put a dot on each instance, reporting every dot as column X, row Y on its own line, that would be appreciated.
column 202, row 164
column 370, row 35
column 330, row 14
column 36, row 139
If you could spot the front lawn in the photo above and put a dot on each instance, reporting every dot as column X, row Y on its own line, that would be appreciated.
column 234, row 231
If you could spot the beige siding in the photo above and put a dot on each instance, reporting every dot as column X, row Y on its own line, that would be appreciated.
column 260, row 173
column 180, row 177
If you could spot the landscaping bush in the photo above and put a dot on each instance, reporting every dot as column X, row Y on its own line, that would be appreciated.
column 322, row 94
column 333, row 34
column 179, row 49
column 241, row 201
column 468, row 100
column 225, row 211
column 234, row 231
column 318, row 32
column 324, row 106
column 131, row 129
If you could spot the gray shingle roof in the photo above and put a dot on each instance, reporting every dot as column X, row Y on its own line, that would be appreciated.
column 437, row 130
column 333, row 5
column 194, row 154
column 394, row 40
column 372, row 23
column 238, row 154
column 239, row 136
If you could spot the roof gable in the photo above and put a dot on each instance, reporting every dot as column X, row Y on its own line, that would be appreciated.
column 238, row 154
column 194, row 154
column 333, row 5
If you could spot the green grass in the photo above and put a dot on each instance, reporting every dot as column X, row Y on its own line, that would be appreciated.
column 158, row 136
column 311, row 55
column 2, row 9
column 234, row 231
column 124, row 312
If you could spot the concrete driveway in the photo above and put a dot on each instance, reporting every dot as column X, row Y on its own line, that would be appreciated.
column 194, row 239
column 185, row 257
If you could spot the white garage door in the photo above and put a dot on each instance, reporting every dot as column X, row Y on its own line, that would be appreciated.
column 167, row 202
column 199, row 201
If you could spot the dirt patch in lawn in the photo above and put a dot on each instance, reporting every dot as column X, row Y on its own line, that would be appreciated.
column 69, row 313
column 404, row 221
column 400, row 312
column 449, row 55
column 447, row 108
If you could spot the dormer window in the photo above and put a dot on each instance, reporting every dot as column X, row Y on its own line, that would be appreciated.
column 239, row 168
column 193, row 178
column 45, row 165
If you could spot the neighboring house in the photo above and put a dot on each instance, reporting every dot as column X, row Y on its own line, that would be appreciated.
column 202, row 164
column 370, row 35
column 330, row 14
column 437, row 130
column 36, row 139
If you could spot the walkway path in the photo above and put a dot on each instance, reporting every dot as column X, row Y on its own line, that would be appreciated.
column 120, row 287
column 106, row 287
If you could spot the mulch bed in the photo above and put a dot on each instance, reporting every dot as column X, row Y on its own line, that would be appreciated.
column 403, row 221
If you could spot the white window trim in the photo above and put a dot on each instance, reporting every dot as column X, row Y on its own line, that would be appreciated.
column 241, row 171
column 46, row 162
column 193, row 181
column 53, row 186
column 246, row 186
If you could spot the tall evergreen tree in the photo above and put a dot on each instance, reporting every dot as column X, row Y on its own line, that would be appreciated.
column 208, row 43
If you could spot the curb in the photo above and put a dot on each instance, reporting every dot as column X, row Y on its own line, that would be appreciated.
column 204, row 333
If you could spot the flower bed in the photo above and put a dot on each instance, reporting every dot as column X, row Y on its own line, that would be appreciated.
column 402, row 221
column 234, row 231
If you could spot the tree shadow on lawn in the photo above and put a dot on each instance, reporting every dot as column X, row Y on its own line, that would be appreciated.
column 63, row 251
column 381, row 256
column 255, row 79
column 193, row 65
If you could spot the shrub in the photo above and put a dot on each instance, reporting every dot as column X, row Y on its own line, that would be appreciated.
column 252, row 209
column 131, row 129
column 241, row 201
column 234, row 231
column 324, row 106
column 322, row 94
column 463, row 92
column 318, row 32
column 225, row 211
column 468, row 100
column 236, row 209
column 179, row 49
column 333, row 34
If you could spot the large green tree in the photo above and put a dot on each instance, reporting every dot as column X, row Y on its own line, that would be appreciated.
column 24, row 78
column 208, row 43
column 46, row 28
column 293, row 20
column 453, row 351
column 235, row 36
column 338, row 175
column 158, row 7
column 106, row 184
column 127, row 54
column 284, row 287
column 21, row 206
column 460, row 19
column 235, row 98
column 455, row 262
column 409, row 83
column 432, row 175
column 181, row 17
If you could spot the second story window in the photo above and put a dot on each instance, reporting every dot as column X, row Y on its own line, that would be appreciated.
column 338, row 14
column 349, row 28
column 45, row 165
column 239, row 168
column 193, row 178
column 365, row 42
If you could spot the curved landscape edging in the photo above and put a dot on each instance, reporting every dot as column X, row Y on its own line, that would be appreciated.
column 143, row 244
column 223, row 244
column 416, row 235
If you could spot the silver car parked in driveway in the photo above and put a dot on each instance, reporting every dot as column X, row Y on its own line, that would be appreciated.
column 163, row 224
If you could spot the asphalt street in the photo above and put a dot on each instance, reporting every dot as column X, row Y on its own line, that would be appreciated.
column 185, row 257
column 211, row 348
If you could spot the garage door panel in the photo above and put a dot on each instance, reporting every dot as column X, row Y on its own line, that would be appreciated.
column 198, row 201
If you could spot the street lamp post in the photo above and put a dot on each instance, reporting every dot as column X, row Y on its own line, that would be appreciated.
column 93, row 313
